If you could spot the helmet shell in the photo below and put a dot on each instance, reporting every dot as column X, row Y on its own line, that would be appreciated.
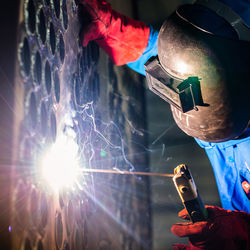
column 223, row 68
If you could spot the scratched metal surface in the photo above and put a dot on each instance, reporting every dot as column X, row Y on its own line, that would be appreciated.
column 55, row 76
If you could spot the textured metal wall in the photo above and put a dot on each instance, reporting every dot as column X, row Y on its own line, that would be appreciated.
column 62, row 88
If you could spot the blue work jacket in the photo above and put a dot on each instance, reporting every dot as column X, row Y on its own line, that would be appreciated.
column 230, row 160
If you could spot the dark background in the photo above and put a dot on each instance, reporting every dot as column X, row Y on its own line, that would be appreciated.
column 168, row 145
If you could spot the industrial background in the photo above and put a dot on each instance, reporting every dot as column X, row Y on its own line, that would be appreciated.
column 52, row 87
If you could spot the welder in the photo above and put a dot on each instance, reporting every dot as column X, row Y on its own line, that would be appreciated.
column 199, row 63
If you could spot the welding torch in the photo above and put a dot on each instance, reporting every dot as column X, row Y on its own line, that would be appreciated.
column 184, row 184
column 189, row 194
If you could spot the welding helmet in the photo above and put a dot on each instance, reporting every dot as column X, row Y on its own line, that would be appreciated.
column 203, row 70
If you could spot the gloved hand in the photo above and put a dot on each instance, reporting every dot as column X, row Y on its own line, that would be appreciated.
column 123, row 38
column 224, row 229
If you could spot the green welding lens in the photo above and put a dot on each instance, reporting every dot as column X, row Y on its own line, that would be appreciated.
column 185, row 94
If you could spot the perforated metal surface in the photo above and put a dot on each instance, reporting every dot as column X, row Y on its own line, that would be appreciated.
column 56, row 77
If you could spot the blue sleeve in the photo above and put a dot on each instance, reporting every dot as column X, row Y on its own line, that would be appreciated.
column 231, row 166
column 150, row 51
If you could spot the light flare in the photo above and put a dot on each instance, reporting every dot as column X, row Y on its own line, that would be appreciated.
column 182, row 67
column 60, row 164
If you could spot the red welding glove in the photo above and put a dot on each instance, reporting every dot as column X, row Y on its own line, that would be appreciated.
column 123, row 38
column 224, row 229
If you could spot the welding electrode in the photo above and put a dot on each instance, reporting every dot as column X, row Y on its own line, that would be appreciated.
column 107, row 171
column 184, row 184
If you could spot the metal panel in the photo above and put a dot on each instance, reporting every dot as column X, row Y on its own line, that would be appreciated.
column 59, row 89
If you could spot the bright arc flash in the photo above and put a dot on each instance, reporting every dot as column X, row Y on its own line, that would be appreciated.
column 60, row 164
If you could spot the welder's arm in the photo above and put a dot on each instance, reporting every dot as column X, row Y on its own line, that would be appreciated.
column 150, row 51
column 224, row 229
column 122, row 38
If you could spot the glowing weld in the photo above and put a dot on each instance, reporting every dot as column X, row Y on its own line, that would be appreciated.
column 60, row 164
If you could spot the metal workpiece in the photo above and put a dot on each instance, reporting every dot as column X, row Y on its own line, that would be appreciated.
column 52, row 38
column 36, row 67
column 60, row 47
column 24, row 57
column 61, row 89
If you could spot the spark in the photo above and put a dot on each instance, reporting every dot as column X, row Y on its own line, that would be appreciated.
column 163, row 149
column 88, row 112
column 62, row 163
column 133, row 129
column 163, row 133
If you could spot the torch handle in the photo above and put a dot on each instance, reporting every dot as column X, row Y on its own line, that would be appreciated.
column 188, row 193
column 196, row 210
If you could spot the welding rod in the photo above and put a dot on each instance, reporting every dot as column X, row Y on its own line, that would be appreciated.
column 106, row 171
